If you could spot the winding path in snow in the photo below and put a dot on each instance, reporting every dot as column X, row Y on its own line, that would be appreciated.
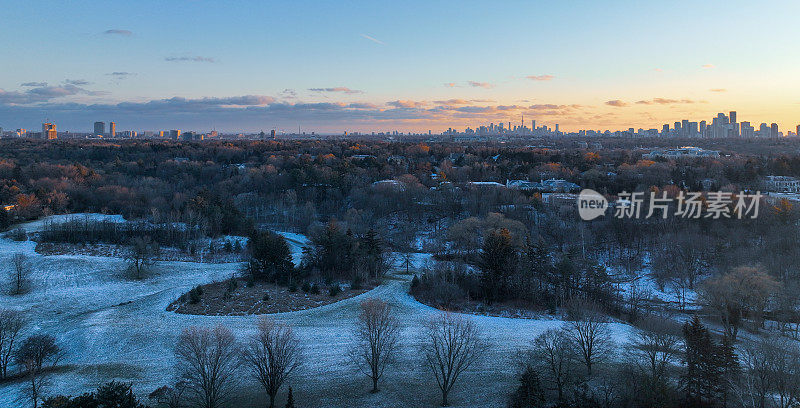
column 113, row 328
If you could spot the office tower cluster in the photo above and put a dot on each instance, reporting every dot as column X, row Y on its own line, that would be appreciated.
column 722, row 126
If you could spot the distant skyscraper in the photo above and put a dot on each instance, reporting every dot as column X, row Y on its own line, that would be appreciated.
column 773, row 130
column 49, row 131
column 175, row 134
column 112, row 129
column 99, row 128
column 798, row 131
column 733, row 116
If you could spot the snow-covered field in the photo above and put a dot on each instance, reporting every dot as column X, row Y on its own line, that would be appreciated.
column 113, row 328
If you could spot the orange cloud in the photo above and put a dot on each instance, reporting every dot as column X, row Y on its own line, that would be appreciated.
column 475, row 84
column 617, row 103
column 406, row 104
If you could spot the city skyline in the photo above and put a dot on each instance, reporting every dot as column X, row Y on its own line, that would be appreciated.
column 368, row 67
column 723, row 125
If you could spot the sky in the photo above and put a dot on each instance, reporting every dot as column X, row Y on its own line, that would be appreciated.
column 334, row 66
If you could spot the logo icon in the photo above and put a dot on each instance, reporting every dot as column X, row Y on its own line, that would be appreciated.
column 591, row 204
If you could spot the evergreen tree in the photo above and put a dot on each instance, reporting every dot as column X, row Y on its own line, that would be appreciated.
column 116, row 395
column 5, row 219
column 498, row 263
column 728, row 365
column 529, row 394
column 702, row 376
column 270, row 257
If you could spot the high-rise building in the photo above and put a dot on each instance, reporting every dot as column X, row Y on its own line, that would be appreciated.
column 112, row 129
column 747, row 131
column 773, row 130
column 175, row 134
column 798, row 131
column 49, row 131
column 99, row 128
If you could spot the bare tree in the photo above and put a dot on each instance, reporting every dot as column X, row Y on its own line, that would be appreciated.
column 452, row 344
column 653, row 349
column 141, row 256
column 741, row 293
column 20, row 274
column 553, row 351
column 591, row 334
column 377, row 334
column 771, row 368
column 11, row 324
column 273, row 353
column 172, row 397
column 37, row 355
column 208, row 360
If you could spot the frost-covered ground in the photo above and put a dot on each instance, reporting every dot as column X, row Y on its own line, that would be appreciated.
column 112, row 328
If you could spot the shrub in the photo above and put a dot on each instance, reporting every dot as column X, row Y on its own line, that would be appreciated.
column 233, row 284
column 334, row 290
column 357, row 283
column 414, row 282
column 293, row 287
column 18, row 234
column 315, row 289
column 306, row 287
column 266, row 297
column 195, row 295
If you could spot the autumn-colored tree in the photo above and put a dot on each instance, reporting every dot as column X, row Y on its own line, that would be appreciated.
column 737, row 295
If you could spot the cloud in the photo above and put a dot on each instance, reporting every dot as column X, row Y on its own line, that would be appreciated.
column 540, row 77
column 485, row 85
column 718, row 90
column 190, row 59
column 342, row 89
column 125, row 33
column 665, row 101
column 288, row 93
column 39, row 94
column 373, row 39
column 453, row 102
column 245, row 100
column 617, row 103
column 39, row 84
column 121, row 74
column 450, row 84
column 77, row 82
column 658, row 70
column 709, row 66
column 406, row 104
column 246, row 113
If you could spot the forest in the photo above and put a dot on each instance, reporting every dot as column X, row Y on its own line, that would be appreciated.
column 712, row 306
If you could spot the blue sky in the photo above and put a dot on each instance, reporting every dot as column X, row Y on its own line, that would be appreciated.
column 412, row 65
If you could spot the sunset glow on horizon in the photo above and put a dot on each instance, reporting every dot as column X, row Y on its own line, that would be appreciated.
column 351, row 66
